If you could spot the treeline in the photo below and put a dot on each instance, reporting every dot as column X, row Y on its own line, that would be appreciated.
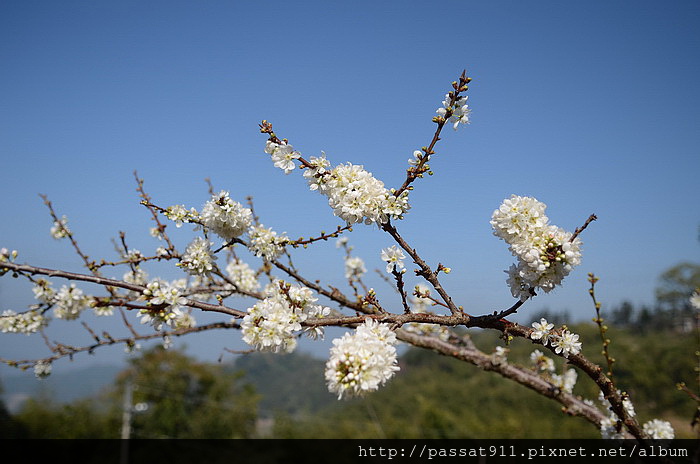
column 284, row 396
column 439, row 397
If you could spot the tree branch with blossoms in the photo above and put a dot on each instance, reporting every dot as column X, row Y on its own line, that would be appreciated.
column 292, row 304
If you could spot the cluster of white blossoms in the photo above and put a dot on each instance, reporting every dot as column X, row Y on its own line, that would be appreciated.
column 27, row 322
column 198, row 258
column 546, row 254
column 43, row 291
column 542, row 363
column 353, row 193
column 356, row 196
column 564, row 343
column 69, row 302
column 283, row 155
column 419, row 299
column 167, row 299
column 695, row 299
column 499, row 357
column 608, row 426
column 566, row 381
column 421, row 304
column 460, row 111
column 265, row 243
column 272, row 323
column 60, row 228
column 242, row 276
column 179, row 214
column 545, row 366
column 354, row 267
column 227, row 218
column 659, row 429
column 133, row 255
column 394, row 258
column 42, row 369
column 136, row 276
column 362, row 361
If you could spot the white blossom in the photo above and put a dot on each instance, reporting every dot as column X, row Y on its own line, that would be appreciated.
column 659, row 429
column 626, row 403
column 242, row 276
column 316, row 312
column 420, row 304
column 417, row 157
column 162, row 252
column 43, row 291
column 159, row 292
column 609, row 430
column 394, row 258
column 156, row 233
column 499, row 357
column 136, row 276
column 179, row 214
column 165, row 300
column 354, row 267
column 460, row 111
column 26, row 323
column 695, row 299
column 356, row 196
column 543, row 330
column 566, row 381
column 542, row 362
column 198, row 258
column 517, row 217
column 316, row 174
column 69, row 302
column 283, row 155
column 546, row 253
column 362, row 361
column 272, row 323
column 42, row 369
column 133, row 255
column 565, row 344
column 101, row 310
column 227, row 218
column 265, row 243
column 60, row 229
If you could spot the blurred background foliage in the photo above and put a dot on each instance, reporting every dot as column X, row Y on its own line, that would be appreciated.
column 264, row 395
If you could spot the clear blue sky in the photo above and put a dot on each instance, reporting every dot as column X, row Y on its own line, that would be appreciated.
column 591, row 107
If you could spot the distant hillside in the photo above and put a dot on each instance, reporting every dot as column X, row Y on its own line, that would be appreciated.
column 63, row 387
column 433, row 396
column 289, row 383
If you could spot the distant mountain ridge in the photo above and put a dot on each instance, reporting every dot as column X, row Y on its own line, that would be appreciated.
column 62, row 387
column 275, row 377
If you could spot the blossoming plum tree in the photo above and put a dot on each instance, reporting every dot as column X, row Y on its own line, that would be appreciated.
column 288, row 303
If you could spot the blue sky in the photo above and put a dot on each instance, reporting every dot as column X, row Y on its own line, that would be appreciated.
column 591, row 107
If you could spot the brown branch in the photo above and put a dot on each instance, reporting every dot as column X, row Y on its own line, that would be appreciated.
column 146, row 201
column 415, row 172
column 24, row 268
column 66, row 350
column 525, row 377
column 425, row 271
column 578, row 230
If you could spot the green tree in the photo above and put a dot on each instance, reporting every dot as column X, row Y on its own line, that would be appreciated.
column 676, row 285
column 187, row 399
column 42, row 418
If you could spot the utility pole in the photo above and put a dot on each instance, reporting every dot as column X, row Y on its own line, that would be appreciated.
column 126, row 422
